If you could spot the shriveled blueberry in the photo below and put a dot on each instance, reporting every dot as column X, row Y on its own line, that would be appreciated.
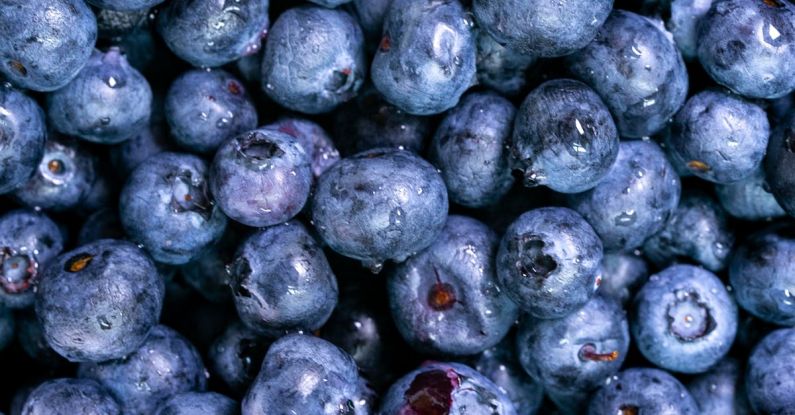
column 622, row 275
column 721, row 390
column 125, row 5
column 165, row 365
column 548, row 262
column 210, row 33
column 314, row 59
column 641, row 391
column 166, row 206
column 70, row 396
column 749, row 198
column 427, row 55
column 99, row 301
column 636, row 198
column 636, row 68
column 107, row 102
column 501, row 365
column 446, row 300
column 769, row 380
column 379, row 205
column 469, row 148
column 28, row 242
column 501, row 68
column 199, row 403
column 204, row 108
column 780, row 165
column 313, row 138
column 236, row 356
column 22, row 136
column 45, row 43
column 282, row 282
column 261, row 178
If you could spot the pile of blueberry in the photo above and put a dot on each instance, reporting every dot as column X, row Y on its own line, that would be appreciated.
column 397, row 207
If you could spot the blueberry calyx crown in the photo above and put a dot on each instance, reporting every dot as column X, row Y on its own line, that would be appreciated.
column 257, row 149
column 441, row 296
column 689, row 318
column 17, row 271
column 189, row 195
column 588, row 352
column 533, row 262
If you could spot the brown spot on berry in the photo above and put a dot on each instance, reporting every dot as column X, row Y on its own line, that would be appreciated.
column 78, row 262
column 773, row 3
column 628, row 410
column 386, row 44
column 588, row 352
column 55, row 166
column 698, row 165
column 234, row 88
column 19, row 67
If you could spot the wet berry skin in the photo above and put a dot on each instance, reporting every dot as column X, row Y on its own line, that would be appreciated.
column 427, row 55
column 641, row 391
column 23, row 133
column 70, row 396
column 261, row 177
column 209, row 33
column 190, row 403
column 59, row 47
column 684, row 319
column 380, row 205
column 548, row 262
column 314, row 59
column 445, row 300
column 99, row 301
column 769, row 380
column 166, row 206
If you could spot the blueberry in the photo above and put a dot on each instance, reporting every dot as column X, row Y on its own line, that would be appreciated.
column 379, row 205
column 116, row 24
column 545, row 28
column 634, row 66
column 102, row 224
column 125, row 5
column 199, row 403
column 99, row 301
column 28, row 243
column 623, row 274
column 501, row 366
column 750, row 198
column 30, row 335
column 45, row 43
column 548, row 262
column 572, row 355
column 298, row 362
column 684, row 319
column 636, row 198
column 642, row 391
column 769, row 380
column 721, row 389
column 314, row 59
column 282, row 282
column 427, row 55
column 445, row 300
column 445, row 388
column 370, row 14
column 499, row 67
column 749, row 46
column 207, row 273
column 210, row 33
column 469, row 148
column 107, row 102
column 683, row 24
column 369, row 122
column 165, row 205
column 698, row 230
column 236, row 356
column 149, row 141
column 780, row 165
column 165, row 365
column 330, row 3
column 762, row 275
column 719, row 137
column 313, row 138
column 204, row 108
column 261, row 178
column 564, row 137
column 70, row 396
column 7, row 327
column 22, row 136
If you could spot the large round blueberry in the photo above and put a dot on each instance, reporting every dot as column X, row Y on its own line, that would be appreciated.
column 445, row 300
column 684, row 319
column 236, row 356
column 749, row 46
column 445, row 388
column 125, row 5
column 780, row 165
column 45, row 43
column 325, row 376
column 548, row 262
column 642, row 391
column 469, row 148
column 261, row 178
column 546, row 28
column 199, row 403
column 564, row 137
column 749, row 198
column 28, row 242
column 314, row 59
column 99, row 301
column 282, row 282
column 769, row 380
column 204, row 108
column 165, row 205
column 762, row 274
column 317, row 144
column 501, row 68
column 166, row 364
column 721, row 389
column 634, row 200
column 70, row 396
column 108, row 102
column 622, row 275
column 501, row 365
column 427, row 55
column 637, row 70
column 22, row 135
column 210, row 33
column 719, row 137
column 380, row 204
